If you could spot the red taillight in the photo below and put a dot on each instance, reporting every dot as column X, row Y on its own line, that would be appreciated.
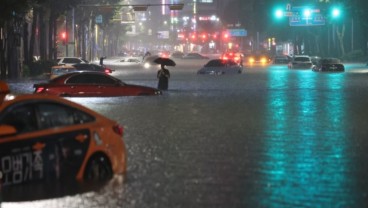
column 118, row 129
column 108, row 71
column 39, row 89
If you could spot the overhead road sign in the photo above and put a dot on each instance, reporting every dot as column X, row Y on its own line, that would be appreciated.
column 304, row 16
column 237, row 32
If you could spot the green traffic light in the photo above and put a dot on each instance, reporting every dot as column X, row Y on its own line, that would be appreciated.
column 336, row 12
column 279, row 13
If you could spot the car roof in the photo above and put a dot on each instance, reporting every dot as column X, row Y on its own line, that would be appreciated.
column 11, row 99
column 63, row 67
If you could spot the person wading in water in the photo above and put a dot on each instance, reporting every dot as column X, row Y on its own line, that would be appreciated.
column 163, row 76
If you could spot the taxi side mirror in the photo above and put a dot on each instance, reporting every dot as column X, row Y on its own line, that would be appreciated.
column 6, row 130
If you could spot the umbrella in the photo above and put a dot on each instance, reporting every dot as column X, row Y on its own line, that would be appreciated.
column 165, row 61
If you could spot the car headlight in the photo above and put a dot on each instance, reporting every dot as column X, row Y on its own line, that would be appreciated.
column 147, row 65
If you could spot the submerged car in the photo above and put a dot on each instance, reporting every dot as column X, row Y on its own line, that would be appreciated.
column 71, row 60
column 46, row 138
column 60, row 70
column 234, row 56
column 329, row 65
column 194, row 56
column 258, row 59
column 92, row 67
column 281, row 59
column 220, row 66
column 300, row 62
column 91, row 84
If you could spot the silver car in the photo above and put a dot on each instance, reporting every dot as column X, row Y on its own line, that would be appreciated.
column 219, row 66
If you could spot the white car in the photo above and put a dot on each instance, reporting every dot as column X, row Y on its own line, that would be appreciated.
column 300, row 62
column 71, row 61
column 220, row 66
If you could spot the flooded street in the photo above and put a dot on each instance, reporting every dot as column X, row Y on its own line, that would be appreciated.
column 269, row 137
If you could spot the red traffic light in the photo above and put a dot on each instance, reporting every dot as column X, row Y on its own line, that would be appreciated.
column 63, row 37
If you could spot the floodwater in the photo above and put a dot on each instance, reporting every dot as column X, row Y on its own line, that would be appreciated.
column 269, row 137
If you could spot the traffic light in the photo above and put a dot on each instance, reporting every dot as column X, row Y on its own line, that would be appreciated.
column 63, row 37
column 335, row 12
column 307, row 12
column 226, row 36
column 279, row 13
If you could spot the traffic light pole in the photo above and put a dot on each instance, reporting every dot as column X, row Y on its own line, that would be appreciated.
column 66, row 37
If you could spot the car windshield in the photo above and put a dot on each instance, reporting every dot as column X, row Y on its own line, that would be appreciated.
column 330, row 61
column 302, row 59
column 87, row 78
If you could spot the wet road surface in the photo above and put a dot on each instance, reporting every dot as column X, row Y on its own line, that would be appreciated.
column 269, row 137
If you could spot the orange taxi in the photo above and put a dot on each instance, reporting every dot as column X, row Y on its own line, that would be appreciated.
column 45, row 137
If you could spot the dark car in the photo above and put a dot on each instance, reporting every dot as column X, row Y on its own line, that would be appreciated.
column 177, row 54
column 92, row 67
column 194, row 56
column 234, row 56
column 329, row 65
column 91, row 84
column 257, row 59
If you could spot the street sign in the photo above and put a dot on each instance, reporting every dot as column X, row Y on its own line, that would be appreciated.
column 237, row 32
column 98, row 19
column 298, row 18
column 288, row 14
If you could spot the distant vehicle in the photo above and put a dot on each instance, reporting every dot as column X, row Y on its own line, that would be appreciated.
column 164, row 54
column 71, row 61
column 257, row 59
column 177, row 54
column 300, row 62
column 220, row 66
column 56, row 139
column 194, row 56
column 283, row 59
column 315, row 59
column 60, row 70
column 329, row 65
column 130, row 60
column 148, row 61
column 234, row 56
column 92, row 67
column 91, row 84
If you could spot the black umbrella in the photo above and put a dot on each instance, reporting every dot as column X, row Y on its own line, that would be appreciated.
column 165, row 61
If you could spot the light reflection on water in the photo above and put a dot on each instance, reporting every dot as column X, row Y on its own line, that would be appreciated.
column 306, row 171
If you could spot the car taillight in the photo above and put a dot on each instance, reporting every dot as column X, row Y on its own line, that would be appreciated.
column 39, row 89
column 108, row 71
column 118, row 129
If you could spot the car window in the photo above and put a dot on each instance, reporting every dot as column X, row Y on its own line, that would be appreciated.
column 83, row 67
column 60, row 71
column 231, row 63
column 53, row 115
column 71, row 60
column 305, row 59
column 90, row 79
column 22, row 118
column 215, row 63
